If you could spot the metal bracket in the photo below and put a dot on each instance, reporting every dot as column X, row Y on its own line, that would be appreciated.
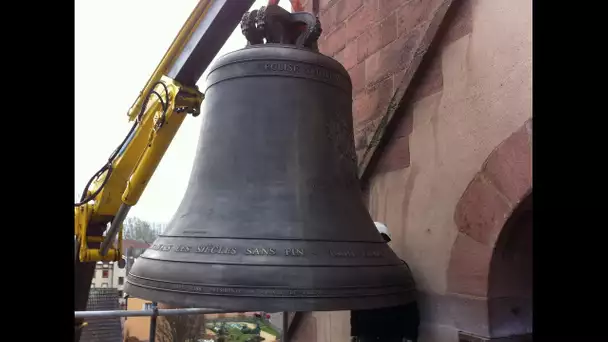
column 189, row 100
column 86, row 241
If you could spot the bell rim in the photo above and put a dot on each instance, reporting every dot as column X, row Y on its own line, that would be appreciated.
column 274, row 304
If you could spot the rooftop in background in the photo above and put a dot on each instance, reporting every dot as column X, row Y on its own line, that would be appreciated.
column 106, row 329
column 136, row 244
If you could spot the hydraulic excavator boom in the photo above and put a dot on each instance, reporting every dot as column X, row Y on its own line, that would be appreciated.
column 168, row 96
column 157, row 113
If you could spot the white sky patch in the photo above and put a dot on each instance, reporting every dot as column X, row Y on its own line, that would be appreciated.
column 118, row 44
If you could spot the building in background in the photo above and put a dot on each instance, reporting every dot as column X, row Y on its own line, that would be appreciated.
column 109, row 275
column 102, row 329
column 133, row 247
column 137, row 327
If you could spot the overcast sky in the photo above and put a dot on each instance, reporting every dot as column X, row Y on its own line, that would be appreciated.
column 118, row 44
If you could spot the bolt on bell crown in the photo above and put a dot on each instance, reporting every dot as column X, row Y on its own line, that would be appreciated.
column 273, row 217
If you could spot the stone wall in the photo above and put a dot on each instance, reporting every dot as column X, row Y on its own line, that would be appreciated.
column 376, row 41
column 472, row 92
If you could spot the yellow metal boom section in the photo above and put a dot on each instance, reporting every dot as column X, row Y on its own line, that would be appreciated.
column 134, row 164
column 172, row 53
column 158, row 113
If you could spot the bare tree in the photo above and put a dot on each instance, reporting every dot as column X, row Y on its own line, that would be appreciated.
column 180, row 328
column 135, row 228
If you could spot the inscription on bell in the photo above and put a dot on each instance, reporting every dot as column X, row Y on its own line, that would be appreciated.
column 182, row 249
column 260, row 251
column 351, row 254
column 372, row 254
column 342, row 254
column 215, row 249
column 161, row 247
column 316, row 72
column 294, row 252
column 282, row 67
column 225, row 290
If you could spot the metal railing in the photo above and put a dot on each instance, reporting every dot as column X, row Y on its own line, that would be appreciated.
column 155, row 312
column 143, row 313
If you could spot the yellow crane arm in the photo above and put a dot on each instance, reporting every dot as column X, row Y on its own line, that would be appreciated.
column 174, row 50
column 125, row 176
column 157, row 113
column 168, row 96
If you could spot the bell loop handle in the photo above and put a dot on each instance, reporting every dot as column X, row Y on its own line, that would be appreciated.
column 273, row 24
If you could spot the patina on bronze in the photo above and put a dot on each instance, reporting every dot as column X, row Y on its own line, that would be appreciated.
column 273, row 217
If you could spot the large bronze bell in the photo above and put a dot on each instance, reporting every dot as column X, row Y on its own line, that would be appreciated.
column 273, row 217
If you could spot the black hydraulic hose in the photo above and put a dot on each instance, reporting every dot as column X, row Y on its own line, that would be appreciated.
column 108, row 166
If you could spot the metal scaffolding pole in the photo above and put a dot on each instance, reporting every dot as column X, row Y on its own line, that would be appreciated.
column 285, row 326
column 144, row 313
column 152, row 337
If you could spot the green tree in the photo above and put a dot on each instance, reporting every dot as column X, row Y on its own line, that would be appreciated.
column 222, row 333
column 135, row 228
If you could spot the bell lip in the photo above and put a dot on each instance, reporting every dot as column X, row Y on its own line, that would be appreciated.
column 329, row 295
column 247, row 304
column 262, row 52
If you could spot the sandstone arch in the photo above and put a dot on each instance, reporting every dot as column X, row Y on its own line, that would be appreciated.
column 493, row 217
